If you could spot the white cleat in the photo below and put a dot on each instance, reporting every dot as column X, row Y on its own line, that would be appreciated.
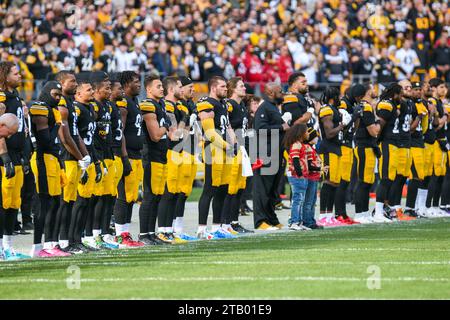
column 380, row 219
column 363, row 218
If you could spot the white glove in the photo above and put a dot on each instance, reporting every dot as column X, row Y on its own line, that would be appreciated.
column 311, row 110
column 192, row 119
column 287, row 117
column 85, row 162
column 346, row 117
column 105, row 171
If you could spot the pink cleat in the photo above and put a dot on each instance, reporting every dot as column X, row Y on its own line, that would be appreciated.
column 55, row 252
column 42, row 254
column 330, row 222
column 336, row 223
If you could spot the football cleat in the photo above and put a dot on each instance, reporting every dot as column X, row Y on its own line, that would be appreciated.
column 178, row 240
column 363, row 218
column 75, row 249
column 380, row 219
column 187, row 237
column 154, row 237
column 240, row 229
column 223, row 234
column 205, row 235
column 267, row 227
column 102, row 244
column 91, row 243
column 346, row 220
column 146, row 240
column 56, row 252
column 403, row 217
column 232, row 231
column 164, row 237
column 109, row 240
column 411, row 213
column 11, row 255
column 126, row 241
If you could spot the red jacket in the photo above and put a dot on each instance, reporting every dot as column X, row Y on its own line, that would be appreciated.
column 285, row 68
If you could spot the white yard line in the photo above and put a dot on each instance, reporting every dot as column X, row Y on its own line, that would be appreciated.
column 226, row 279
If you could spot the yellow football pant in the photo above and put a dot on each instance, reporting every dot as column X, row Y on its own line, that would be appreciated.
column 47, row 172
column 11, row 189
column 333, row 162
column 346, row 163
column 365, row 164
column 73, row 174
column 388, row 161
column 417, row 163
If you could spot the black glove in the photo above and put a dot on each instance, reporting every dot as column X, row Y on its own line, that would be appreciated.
column 98, row 172
column 26, row 166
column 84, row 178
column 9, row 166
column 126, row 166
column 443, row 145
column 377, row 151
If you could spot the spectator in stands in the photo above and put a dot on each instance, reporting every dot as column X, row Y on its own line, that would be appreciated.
column 441, row 57
column 336, row 68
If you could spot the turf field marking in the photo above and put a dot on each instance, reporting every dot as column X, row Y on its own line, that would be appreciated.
column 212, row 279
column 304, row 262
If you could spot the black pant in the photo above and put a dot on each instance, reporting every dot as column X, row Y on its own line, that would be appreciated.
column 28, row 196
column 265, row 196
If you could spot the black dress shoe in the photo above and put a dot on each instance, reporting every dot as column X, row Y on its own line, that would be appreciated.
column 28, row 226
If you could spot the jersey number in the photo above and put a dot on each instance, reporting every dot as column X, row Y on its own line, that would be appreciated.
column 138, row 124
column 90, row 134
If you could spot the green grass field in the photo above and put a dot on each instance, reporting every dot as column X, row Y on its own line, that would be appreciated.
column 412, row 260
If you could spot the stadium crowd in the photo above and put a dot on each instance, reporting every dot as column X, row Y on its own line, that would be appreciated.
column 81, row 147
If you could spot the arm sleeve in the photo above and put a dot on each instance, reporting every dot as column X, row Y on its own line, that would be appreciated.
column 211, row 134
column 297, row 166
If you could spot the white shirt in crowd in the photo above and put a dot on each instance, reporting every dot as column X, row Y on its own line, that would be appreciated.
column 407, row 59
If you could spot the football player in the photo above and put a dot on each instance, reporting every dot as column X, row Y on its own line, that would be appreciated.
column 238, row 115
column 11, row 148
column 45, row 163
column 156, row 136
column 366, row 153
column 132, row 145
column 213, row 115
column 388, row 113
column 331, row 127
column 419, row 127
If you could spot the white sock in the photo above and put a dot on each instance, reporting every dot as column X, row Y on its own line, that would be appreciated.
column 48, row 245
column 178, row 225
column 7, row 242
column 201, row 229
column 423, row 200
column 127, row 227
column 215, row 227
column 226, row 226
column 169, row 229
column 96, row 232
column 161, row 230
column 120, row 228
column 379, row 208
column 1, row 244
column 63, row 243
column 36, row 247
column 397, row 207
